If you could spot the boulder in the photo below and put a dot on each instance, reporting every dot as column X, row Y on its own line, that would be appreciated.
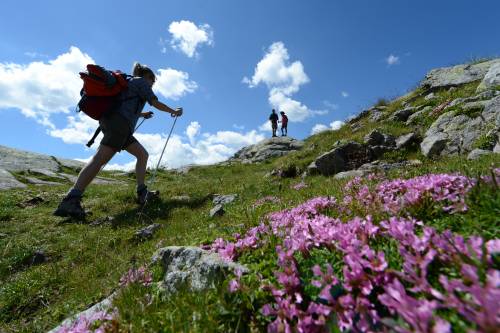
column 407, row 140
column 345, row 157
column 453, row 134
column 414, row 116
column 374, row 138
column 457, row 75
column 350, row 174
column 433, row 144
column 191, row 268
column 8, row 181
column 269, row 148
column 491, row 79
column 402, row 115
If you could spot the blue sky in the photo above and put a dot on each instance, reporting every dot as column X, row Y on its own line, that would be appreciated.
column 227, row 63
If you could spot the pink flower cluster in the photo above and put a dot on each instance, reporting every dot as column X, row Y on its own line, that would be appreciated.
column 93, row 323
column 136, row 275
column 438, row 271
column 299, row 186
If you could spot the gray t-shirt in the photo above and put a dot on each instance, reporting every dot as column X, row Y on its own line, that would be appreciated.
column 134, row 98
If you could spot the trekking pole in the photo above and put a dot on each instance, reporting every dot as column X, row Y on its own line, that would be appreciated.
column 139, row 124
column 161, row 156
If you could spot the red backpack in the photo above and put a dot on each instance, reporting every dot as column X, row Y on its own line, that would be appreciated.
column 101, row 90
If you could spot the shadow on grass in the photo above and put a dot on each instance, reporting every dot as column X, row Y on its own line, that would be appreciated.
column 155, row 209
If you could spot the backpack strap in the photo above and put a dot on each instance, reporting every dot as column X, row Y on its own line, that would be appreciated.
column 96, row 133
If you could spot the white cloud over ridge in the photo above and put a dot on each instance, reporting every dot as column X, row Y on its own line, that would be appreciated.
column 187, row 37
column 283, row 79
column 334, row 125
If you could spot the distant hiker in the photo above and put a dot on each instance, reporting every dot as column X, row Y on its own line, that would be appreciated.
column 118, row 127
column 273, row 118
column 284, row 124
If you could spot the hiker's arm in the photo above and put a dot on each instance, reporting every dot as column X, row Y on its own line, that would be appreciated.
column 165, row 108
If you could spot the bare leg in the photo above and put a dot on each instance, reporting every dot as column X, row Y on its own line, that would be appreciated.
column 88, row 173
column 142, row 155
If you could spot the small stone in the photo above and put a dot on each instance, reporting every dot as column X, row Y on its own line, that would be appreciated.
column 223, row 199
column 349, row 174
column 430, row 97
column 38, row 257
column 147, row 232
column 102, row 221
column 477, row 153
column 218, row 210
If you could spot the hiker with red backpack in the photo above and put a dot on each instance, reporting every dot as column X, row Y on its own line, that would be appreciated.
column 284, row 124
column 117, row 101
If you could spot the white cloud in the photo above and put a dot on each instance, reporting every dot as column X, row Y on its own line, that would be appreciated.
column 283, row 79
column 208, row 148
column 392, row 60
column 41, row 89
column 318, row 128
column 344, row 94
column 335, row 125
column 266, row 127
column 186, row 36
column 238, row 127
column 193, row 130
column 173, row 84
column 78, row 130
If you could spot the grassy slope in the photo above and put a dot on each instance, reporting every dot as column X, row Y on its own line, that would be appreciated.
column 85, row 262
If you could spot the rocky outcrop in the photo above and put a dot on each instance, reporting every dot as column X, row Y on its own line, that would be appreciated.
column 453, row 133
column 191, row 268
column 34, row 166
column 266, row 149
column 457, row 75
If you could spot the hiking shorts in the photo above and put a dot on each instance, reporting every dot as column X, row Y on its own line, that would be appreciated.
column 116, row 130
column 274, row 124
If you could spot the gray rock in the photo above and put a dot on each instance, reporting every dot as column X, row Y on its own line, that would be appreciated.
column 457, row 75
column 476, row 153
column 19, row 160
column 407, row 140
column 223, row 199
column 104, row 305
column 96, row 180
column 347, row 156
column 430, row 97
column 36, row 181
column 8, row 181
column 193, row 268
column 269, row 148
column 491, row 79
column 218, row 210
column 147, row 232
column 383, row 166
column 374, row 138
column 402, row 115
column 376, row 115
column 45, row 172
column 413, row 117
column 460, row 132
column 349, row 174
column 181, row 198
column 433, row 144
column 496, row 149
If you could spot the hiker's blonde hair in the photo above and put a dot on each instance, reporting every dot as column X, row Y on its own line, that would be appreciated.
column 142, row 70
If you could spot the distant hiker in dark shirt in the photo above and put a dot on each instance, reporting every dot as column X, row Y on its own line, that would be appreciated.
column 284, row 124
column 118, row 127
column 274, row 122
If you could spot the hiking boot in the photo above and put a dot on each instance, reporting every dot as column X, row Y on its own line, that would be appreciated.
column 70, row 207
column 145, row 195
